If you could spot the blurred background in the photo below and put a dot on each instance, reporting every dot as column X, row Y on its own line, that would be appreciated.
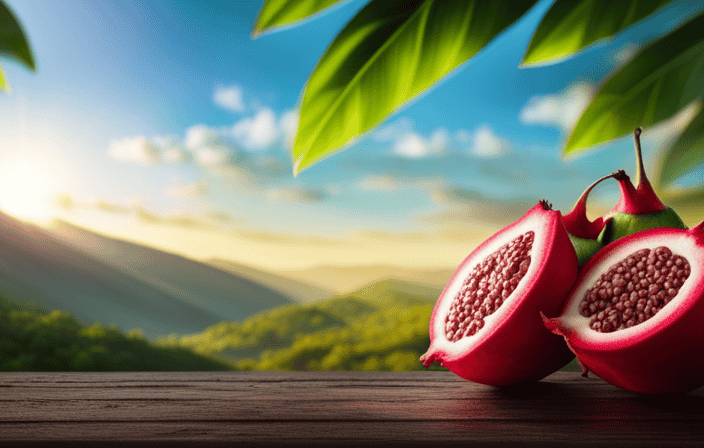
column 151, row 219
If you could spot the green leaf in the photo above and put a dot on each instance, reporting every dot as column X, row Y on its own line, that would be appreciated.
column 3, row 85
column 391, row 51
column 570, row 26
column 690, row 198
column 276, row 13
column 658, row 82
column 685, row 154
column 13, row 42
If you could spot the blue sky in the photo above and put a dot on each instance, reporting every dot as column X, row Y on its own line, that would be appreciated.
column 167, row 114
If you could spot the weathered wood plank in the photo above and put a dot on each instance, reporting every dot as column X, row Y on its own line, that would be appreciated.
column 554, row 432
column 319, row 407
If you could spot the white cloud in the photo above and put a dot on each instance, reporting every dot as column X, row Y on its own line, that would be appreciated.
column 487, row 144
column 172, row 150
column 229, row 98
column 200, row 135
column 220, row 151
column 439, row 141
column 209, row 147
column 210, row 156
column 562, row 110
column 411, row 145
column 394, row 131
column 176, row 155
column 135, row 150
column 258, row 132
column 180, row 189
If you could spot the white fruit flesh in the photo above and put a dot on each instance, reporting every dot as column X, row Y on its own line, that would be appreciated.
column 534, row 222
column 679, row 244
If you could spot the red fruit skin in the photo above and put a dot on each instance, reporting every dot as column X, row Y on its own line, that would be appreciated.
column 519, row 349
column 637, row 200
column 667, row 355
column 576, row 221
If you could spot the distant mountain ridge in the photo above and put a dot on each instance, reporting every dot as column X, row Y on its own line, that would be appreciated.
column 324, row 282
column 346, row 279
column 300, row 290
column 202, row 284
column 99, row 279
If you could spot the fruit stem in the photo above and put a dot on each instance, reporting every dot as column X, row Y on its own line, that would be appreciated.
column 641, row 199
column 545, row 204
column 576, row 221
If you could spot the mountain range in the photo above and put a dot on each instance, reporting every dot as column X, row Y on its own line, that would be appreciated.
column 100, row 279
column 322, row 282
column 115, row 282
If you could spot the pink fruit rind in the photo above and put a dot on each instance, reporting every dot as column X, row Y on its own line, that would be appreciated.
column 513, row 346
column 664, row 354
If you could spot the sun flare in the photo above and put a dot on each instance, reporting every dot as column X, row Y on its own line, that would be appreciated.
column 28, row 185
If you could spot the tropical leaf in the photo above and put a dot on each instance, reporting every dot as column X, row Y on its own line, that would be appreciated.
column 570, row 26
column 13, row 42
column 3, row 84
column 691, row 198
column 684, row 155
column 658, row 82
column 391, row 51
column 276, row 13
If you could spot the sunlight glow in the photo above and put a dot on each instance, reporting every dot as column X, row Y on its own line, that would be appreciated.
column 28, row 185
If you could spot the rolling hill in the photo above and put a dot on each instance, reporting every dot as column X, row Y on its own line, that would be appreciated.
column 197, row 283
column 383, row 326
column 113, row 282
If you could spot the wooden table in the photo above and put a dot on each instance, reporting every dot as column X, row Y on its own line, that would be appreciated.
column 433, row 408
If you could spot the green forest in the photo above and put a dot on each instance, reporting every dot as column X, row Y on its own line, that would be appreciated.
column 32, row 339
column 378, row 328
column 382, row 327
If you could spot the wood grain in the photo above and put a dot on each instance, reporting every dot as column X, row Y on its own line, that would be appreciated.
column 344, row 408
